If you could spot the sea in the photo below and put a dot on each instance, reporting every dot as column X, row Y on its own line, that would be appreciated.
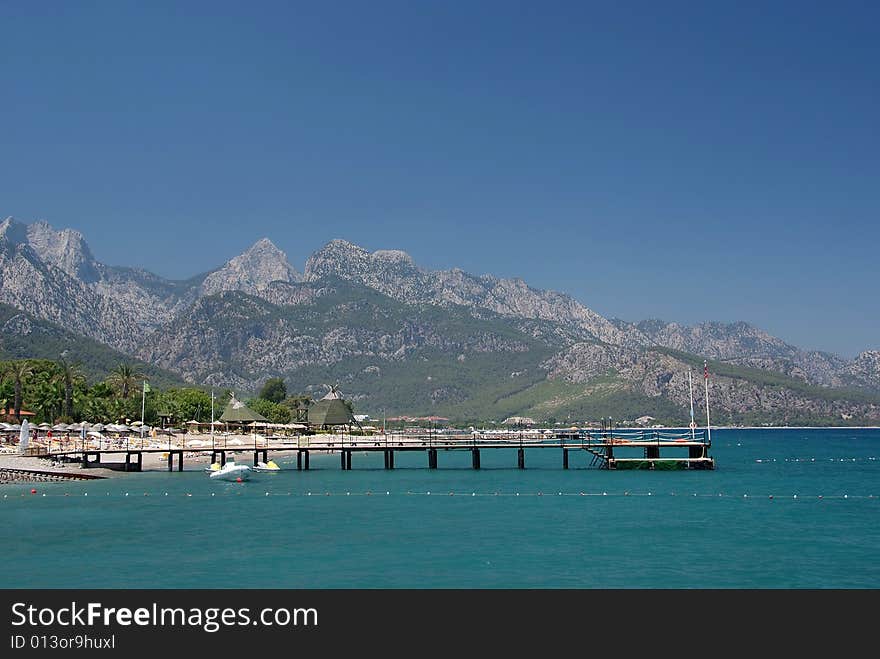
column 784, row 508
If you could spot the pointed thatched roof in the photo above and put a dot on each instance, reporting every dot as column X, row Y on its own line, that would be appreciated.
column 237, row 412
column 331, row 410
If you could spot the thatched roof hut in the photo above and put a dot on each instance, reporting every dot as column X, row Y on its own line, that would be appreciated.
column 331, row 410
column 237, row 412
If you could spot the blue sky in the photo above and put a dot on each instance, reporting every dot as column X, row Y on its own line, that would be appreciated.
column 687, row 161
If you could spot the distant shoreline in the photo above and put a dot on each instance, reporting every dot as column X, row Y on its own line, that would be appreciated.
column 772, row 428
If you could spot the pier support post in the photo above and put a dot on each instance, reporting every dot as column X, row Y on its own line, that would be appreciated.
column 475, row 454
column 696, row 452
column 521, row 458
column 85, row 460
column 342, row 460
column 127, row 462
column 256, row 457
column 306, row 460
column 180, row 461
column 265, row 455
column 391, row 459
column 222, row 458
column 652, row 452
column 170, row 461
column 140, row 462
column 299, row 460
column 385, row 456
column 432, row 458
column 348, row 460
column 565, row 458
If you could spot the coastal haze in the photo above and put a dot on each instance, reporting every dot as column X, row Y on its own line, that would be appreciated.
column 410, row 340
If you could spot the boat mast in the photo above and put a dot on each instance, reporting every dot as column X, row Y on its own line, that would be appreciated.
column 706, row 380
column 693, row 423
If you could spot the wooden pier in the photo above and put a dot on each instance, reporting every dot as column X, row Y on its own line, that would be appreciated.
column 618, row 449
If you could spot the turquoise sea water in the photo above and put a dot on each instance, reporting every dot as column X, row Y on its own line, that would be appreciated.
column 381, row 529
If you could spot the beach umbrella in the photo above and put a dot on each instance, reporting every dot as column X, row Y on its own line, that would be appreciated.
column 44, row 426
column 23, row 436
column 99, row 427
column 192, row 422
column 60, row 427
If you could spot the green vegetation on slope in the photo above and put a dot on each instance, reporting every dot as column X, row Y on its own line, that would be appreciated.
column 48, row 341
column 773, row 379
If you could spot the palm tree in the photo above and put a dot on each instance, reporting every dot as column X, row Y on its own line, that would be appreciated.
column 20, row 371
column 5, row 389
column 47, row 397
column 123, row 378
column 68, row 374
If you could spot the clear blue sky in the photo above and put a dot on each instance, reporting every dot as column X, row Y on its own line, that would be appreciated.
column 687, row 161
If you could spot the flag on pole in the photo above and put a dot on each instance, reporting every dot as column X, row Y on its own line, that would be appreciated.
column 705, row 369
column 147, row 388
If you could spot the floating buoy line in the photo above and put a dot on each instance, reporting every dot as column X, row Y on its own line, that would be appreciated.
column 817, row 460
column 34, row 494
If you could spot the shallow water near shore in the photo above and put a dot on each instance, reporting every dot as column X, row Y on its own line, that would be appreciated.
column 784, row 509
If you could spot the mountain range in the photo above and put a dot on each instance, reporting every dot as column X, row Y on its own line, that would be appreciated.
column 407, row 339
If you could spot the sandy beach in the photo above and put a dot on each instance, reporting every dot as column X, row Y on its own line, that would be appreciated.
column 10, row 459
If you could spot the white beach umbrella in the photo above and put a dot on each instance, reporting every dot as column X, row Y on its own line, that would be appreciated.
column 23, row 436
column 60, row 427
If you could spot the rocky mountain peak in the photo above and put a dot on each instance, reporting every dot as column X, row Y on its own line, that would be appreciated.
column 340, row 258
column 65, row 249
column 13, row 232
column 252, row 271
column 866, row 368
column 393, row 256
